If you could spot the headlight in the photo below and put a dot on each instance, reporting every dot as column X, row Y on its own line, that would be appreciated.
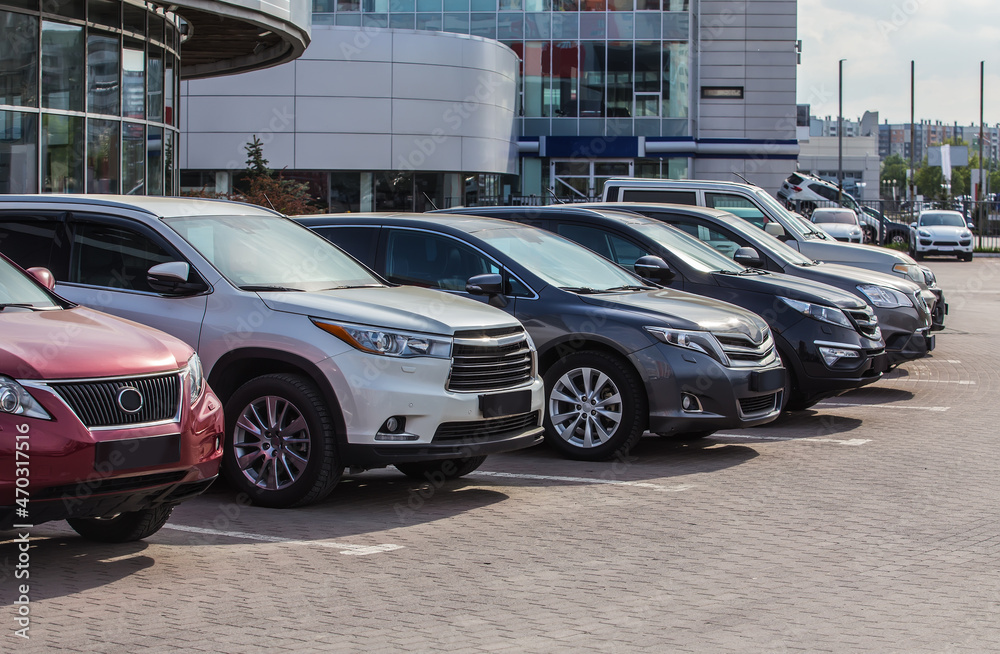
column 929, row 277
column 196, row 377
column 924, row 233
column 388, row 343
column 832, row 315
column 911, row 270
column 703, row 342
column 14, row 399
column 965, row 234
column 885, row 298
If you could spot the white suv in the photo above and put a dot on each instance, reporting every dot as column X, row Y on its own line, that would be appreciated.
column 320, row 363
column 941, row 232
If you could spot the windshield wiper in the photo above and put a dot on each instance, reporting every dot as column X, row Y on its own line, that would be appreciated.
column 631, row 288
column 754, row 271
column 583, row 290
column 267, row 287
column 338, row 288
column 21, row 305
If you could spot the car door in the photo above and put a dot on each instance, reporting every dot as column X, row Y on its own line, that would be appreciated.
column 107, row 271
column 419, row 257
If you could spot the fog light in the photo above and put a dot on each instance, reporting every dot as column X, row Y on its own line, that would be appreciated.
column 393, row 430
column 392, row 424
column 690, row 402
column 832, row 355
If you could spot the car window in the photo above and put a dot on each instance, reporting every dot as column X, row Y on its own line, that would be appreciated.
column 659, row 195
column 432, row 261
column 723, row 242
column 737, row 205
column 115, row 257
column 931, row 219
column 591, row 238
column 359, row 242
column 824, row 192
column 36, row 241
column 625, row 253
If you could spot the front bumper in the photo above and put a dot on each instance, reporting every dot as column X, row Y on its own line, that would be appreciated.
column 939, row 307
column 814, row 378
column 905, row 331
column 945, row 248
column 437, row 423
column 727, row 396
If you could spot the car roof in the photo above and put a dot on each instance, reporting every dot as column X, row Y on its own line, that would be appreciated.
column 679, row 183
column 456, row 222
column 165, row 207
column 572, row 209
column 683, row 209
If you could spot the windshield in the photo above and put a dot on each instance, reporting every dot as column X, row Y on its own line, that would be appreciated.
column 834, row 217
column 781, row 212
column 690, row 250
column 17, row 289
column 270, row 253
column 942, row 218
column 558, row 261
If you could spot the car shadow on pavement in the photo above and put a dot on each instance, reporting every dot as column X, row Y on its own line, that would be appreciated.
column 66, row 564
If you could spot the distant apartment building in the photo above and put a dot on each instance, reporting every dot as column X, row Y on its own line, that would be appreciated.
column 855, row 158
column 894, row 138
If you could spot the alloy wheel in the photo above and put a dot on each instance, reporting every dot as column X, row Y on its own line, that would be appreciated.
column 585, row 407
column 271, row 442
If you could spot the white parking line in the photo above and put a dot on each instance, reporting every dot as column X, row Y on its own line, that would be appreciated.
column 835, row 441
column 965, row 382
column 346, row 548
column 885, row 406
column 584, row 480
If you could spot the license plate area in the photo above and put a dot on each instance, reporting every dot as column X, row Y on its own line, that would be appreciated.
column 505, row 404
column 137, row 453
column 767, row 380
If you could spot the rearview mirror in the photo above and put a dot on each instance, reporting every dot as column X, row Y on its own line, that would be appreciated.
column 748, row 257
column 172, row 278
column 653, row 268
column 43, row 276
column 774, row 229
column 490, row 284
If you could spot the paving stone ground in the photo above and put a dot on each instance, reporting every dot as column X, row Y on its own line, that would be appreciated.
column 868, row 523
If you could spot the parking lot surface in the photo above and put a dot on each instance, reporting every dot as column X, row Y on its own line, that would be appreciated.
column 868, row 523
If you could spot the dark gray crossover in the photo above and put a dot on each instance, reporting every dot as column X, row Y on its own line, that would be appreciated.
column 619, row 355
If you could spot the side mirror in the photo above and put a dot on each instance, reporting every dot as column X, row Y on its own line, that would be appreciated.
column 913, row 224
column 653, row 268
column 172, row 277
column 748, row 257
column 490, row 284
column 43, row 276
column 970, row 225
column 774, row 229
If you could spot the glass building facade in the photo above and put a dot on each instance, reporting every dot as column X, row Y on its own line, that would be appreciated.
column 88, row 97
column 591, row 71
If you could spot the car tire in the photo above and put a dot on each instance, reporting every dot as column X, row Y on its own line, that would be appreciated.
column 967, row 256
column 897, row 239
column 868, row 235
column 919, row 256
column 444, row 468
column 124, row 527
column 287, row 414
column 596, row 378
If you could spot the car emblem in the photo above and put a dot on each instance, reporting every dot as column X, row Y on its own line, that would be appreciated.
column 129, row 399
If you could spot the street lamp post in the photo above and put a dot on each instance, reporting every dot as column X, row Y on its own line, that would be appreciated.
column 840, row 132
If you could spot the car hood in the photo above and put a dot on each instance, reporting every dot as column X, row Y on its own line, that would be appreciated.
column 837, row 229
column 853, row 253
column 407, row 308
column 80, row 343
column 681, row 310
column 795, row 288
column 865, row 276
column 944, row 231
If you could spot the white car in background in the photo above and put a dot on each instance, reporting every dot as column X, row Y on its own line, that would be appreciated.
column 842, row 224
column 938, row 231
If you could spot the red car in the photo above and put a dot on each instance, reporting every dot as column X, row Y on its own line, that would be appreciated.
column 104, row 423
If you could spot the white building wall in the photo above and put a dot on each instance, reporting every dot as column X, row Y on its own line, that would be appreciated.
column 363, row 100
column 860, row 159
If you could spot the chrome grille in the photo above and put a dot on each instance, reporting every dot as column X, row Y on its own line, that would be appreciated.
column 866, row 322
column 753, row 406
column 491, row 360
column 743, row 352
column 95, row 401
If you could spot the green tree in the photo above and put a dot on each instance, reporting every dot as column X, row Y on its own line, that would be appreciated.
column 930, row 181
column 894, row 171
column 256, row 163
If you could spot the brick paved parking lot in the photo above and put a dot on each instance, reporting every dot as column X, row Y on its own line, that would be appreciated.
column 867, row 524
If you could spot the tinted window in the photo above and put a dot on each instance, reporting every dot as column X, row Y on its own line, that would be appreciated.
column 591, row 238
column 433, row 261
column 736, row 205
column 32, row 241
column 660, row 195
column 359, row 242
column 723, row 242
column 108, row 255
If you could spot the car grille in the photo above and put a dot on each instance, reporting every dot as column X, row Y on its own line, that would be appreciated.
column 96, row 403
column 478, row 431
column 866, row 322
column 489, row 360
column 754, row 406
column 743, row 352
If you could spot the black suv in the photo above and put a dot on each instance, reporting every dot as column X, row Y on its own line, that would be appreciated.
column 903, row 315
column 829, row 340
column 619, row 355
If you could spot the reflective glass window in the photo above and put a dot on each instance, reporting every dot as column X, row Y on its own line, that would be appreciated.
column 428, row 5
column 565, row 25
column 62, row 150
column 18, row 152
column 647, row 5
column 456, row 5
column 566, row 5
column 535, row 76
column 102, row 73
column 510, row 5
column 154, row 161
column 402, row 6
column 154, row 85
column 565, row 73
column 169, row 90
column 134, row 19
column 169, row 163
column 621, row 5
column 676, row 80
column 483, row 25
column 592, row 78
column 62, row 66
column 380, row 6
column 457, row 23
column 103, row 156
column 593, row 5
column 536, row 26
column 402, row 21
column 537, row 5
column 18, row 59
column 484, row 5
column 133, row 82
column 66, row 8
column 156, row 27
column 133, row 159
column 510, row 26
column 675, row 26
column 429, row 22
column 619, row 77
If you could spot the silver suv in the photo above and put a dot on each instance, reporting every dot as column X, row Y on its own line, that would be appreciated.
column 319, row 362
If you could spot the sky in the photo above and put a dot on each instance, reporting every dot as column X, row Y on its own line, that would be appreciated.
column 878, row 38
